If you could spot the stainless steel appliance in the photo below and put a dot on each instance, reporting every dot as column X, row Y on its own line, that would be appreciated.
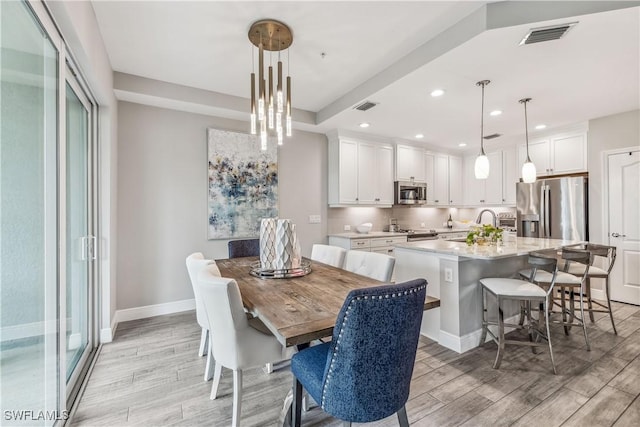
column 507, row 221
column 555, row 208
column 410, row 193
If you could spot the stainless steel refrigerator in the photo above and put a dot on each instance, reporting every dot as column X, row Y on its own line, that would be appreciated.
column 556, row 208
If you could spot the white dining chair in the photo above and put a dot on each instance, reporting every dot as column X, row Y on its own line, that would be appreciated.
column 195, row 264
column 371, row 264
column 236, row 345
column 330, row 255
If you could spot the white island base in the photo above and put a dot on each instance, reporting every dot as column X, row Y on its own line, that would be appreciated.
column 453, row 271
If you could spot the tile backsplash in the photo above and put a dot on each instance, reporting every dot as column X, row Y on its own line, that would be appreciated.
column 407, row 217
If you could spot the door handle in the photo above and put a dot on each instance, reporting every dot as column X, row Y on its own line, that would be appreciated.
column 618, row 235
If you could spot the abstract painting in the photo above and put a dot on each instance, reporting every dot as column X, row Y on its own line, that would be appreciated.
column 243, row 184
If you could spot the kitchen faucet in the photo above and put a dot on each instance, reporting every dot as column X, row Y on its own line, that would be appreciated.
column 493, row 214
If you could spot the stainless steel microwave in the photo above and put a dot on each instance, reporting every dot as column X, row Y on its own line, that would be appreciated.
column 410, row 193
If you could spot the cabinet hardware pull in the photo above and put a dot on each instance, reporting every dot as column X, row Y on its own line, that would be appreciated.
column 618, row 235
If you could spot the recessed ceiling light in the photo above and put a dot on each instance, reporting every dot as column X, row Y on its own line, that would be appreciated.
column 462, row 144
column 541, row 126
column 364, row 125
column 495, row 113
column 437, row 92
column 419, row 136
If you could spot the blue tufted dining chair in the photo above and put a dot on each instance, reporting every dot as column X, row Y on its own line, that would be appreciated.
column 364, row 373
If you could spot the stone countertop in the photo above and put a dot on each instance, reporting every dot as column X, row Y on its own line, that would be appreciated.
column 369, row 235
column 511, row 247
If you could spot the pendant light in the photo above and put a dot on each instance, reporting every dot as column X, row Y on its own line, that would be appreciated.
column 482, row 161
column 528, row 168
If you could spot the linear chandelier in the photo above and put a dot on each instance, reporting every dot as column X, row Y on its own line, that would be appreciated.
column 267, row 109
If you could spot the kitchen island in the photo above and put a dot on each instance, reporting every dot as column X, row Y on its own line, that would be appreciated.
column 453, row 271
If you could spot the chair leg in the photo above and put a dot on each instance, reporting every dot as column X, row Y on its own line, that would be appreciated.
column 237, row 397
column 584, row 325
column 346, row 424
column 296, row 406
column 530, row 324
column 522, row 313
column 208, row 370
column 216, row 381
column 203, row 341
column 564, row 310
column 546, row 321
column 588, row 289
column 501, row 344
column 402, row 417
column 483, row 335
column 606, row 287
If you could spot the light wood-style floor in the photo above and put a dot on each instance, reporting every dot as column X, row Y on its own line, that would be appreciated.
column 151, row 376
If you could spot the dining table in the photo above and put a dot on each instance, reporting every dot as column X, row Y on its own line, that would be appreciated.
column 297, row 310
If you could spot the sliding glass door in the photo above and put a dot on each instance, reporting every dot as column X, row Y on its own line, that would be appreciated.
column 29, row 270
column 80, row 251
column 47, row 217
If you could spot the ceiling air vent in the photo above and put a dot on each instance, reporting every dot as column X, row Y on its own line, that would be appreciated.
column 545, row 34
column 366, row 105
column 493, row 135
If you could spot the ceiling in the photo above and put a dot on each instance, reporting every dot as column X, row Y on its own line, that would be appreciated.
column 391, row 53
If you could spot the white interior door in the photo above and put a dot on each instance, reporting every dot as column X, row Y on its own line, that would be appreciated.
column 624, row 227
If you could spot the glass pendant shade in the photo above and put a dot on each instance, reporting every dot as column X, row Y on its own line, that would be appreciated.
column 529, row 172
column 482, row 167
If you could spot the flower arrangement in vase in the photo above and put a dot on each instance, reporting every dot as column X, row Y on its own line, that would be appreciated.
column 484, row 234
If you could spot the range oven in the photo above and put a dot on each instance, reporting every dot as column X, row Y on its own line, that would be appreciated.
column 410, row 193
column 416, row 236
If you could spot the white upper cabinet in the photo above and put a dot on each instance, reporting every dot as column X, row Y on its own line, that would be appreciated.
column 569, row 154
column 488, row 191
column 455, row 180
column 443, row 175
column 409, row 163
column 375, row 174
column 510, row 175
column 499, row 188
column 360, row 173
column 556, row 155
column 429, row 178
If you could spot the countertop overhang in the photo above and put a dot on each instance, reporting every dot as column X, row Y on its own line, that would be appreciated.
column 516, row 246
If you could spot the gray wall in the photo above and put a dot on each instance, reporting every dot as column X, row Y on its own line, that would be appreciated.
column 162, row 192
column 606, row 133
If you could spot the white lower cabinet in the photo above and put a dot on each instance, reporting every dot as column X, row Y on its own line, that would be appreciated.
column 370, row 244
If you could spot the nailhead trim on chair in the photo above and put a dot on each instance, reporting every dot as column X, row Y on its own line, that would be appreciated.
column 344, row 323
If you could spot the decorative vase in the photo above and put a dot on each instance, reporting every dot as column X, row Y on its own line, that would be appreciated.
column 267, row 243
column 284, row 245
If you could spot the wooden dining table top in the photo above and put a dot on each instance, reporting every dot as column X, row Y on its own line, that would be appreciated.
column 296, row 310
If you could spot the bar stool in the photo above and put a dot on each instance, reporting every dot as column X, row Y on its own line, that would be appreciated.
column 567, row 283
column 525, row 291
column 608, row 253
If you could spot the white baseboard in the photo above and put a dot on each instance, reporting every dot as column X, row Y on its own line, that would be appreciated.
column 154, row 310
column 471, row 340
column 598, row 294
